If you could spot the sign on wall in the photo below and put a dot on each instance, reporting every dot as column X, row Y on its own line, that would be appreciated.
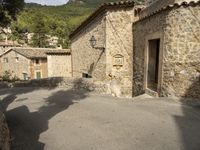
column 118, row 61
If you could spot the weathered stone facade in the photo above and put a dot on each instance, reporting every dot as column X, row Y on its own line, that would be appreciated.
column 112, row 29
column 15, row 63
column 119, row 44
column 86, row 59
column 179, row 61
column 167, row 28
column 59, row 65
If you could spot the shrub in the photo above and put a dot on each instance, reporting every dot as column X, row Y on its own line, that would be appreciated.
column 7, row 76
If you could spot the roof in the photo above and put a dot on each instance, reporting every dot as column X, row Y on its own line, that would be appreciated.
column 101, row 10
column 58, row 52
column 151, row 10
column 38, row 52
column 11, row 44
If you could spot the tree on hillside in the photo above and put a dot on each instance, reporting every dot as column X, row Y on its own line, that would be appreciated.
column 9, row 9
column 39, row 38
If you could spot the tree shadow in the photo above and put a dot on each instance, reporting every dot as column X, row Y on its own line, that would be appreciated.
column 189, row 123
column 11, row 95
column 26, row 126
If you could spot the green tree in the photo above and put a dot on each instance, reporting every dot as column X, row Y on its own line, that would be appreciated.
column 39, row 38
column 8, row 10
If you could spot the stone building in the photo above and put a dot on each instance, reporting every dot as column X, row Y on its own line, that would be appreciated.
column 153, row 48
column 36, row 63
column 166, row 49
column 102, row 45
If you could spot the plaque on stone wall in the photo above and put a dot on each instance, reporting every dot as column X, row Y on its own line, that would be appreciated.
column 118, row 61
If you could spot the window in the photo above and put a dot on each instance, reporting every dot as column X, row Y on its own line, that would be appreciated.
column 5, row 60
column 38, row 75
column 85, row 75
column 25, row 76
column 17, row 59
column 137, row 11
column 37, row 61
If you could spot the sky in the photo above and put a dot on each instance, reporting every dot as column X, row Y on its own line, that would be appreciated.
column 48, row 2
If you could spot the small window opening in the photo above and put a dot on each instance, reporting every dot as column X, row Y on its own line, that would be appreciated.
column 85, row 75
column 37, row 61
column 137, row 12
column 5, row 60
column 17, row 59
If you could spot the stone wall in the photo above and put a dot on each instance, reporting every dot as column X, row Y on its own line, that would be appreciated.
column 16, row 67
column 86, row 59
column 62, row 82
column 180, row 51
column 4, row 133
column 59, row 65
column 119, row 47
column 181, row 63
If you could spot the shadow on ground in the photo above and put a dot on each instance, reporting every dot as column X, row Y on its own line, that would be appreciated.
column 25, row 132
column 189, row 123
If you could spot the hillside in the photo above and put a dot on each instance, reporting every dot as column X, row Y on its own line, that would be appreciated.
column 58, row 20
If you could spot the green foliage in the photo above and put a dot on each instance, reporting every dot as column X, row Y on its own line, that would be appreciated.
column 39, row 38
column 52, row 20
column 58, row 21
column 7, row 76
column 8, row 10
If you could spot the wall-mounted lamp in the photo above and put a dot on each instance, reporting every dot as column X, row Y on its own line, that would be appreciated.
column 93, row 43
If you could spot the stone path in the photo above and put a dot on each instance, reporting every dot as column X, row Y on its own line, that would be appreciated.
column 59, row 119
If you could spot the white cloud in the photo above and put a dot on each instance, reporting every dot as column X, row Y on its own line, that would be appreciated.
column 48, row 2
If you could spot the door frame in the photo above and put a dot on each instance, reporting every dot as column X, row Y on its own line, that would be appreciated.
column 40, row 74
column 154, row 36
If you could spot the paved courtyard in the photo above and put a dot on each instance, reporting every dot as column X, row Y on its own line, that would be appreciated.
column 59, row 119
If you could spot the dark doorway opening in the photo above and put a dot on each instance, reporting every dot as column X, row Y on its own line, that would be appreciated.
column 153, row 64
column 85, row 75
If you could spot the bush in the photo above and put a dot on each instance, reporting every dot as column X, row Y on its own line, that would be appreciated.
column 7, row 76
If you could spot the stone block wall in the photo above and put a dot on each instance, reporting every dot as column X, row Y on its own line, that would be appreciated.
column 119, row 47
column 62, row 82
column 88, row 60
column 59, row 65
column 141, row 30
column 179, row 27
column 181, row 63
column 15, row 67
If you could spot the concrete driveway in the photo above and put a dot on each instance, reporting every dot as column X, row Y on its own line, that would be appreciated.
column 59, row 119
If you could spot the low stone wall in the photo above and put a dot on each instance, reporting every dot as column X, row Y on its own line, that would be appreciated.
column 68, row 83
column 4, row 133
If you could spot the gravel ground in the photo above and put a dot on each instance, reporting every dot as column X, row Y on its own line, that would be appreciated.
column 59, row 119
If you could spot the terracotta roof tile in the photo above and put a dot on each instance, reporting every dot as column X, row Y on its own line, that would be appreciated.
column 170, row 6
column 38, row 52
